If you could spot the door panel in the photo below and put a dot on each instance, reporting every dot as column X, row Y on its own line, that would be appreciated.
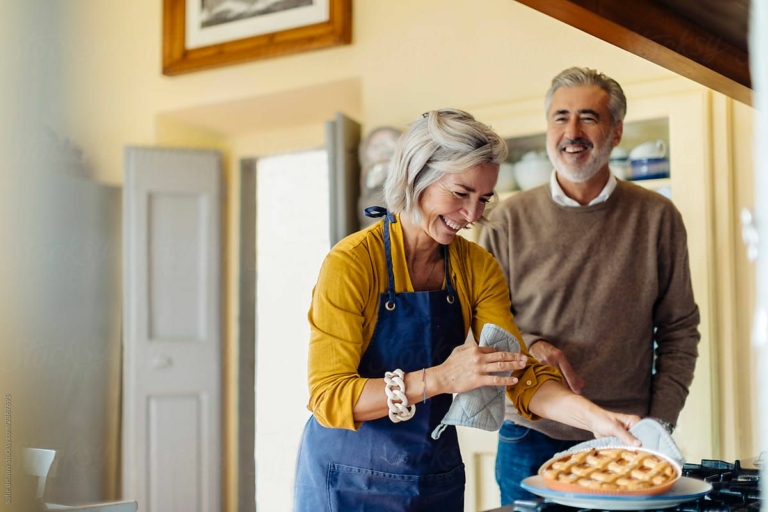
column 172, row 334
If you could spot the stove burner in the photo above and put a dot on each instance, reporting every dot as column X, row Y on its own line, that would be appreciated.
column 734, row 489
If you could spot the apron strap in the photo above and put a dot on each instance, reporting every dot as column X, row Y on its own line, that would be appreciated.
column 389, row 217
column 376, row 212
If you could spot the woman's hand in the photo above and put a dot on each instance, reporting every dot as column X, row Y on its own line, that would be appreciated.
column 470, row 366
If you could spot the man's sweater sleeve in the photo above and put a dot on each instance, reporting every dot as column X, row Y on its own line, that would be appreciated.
column 676, row 320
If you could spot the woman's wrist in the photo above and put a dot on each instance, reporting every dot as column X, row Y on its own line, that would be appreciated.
column 420, row 384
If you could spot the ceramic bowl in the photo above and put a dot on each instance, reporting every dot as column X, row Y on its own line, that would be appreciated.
column 506, row 182
column 532, row 172
column 650, row 168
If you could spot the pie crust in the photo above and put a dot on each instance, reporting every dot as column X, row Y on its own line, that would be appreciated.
column 611, row 470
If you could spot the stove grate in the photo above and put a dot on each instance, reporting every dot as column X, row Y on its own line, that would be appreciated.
column 734, row 489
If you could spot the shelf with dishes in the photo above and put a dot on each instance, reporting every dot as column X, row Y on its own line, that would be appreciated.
column 642, row 156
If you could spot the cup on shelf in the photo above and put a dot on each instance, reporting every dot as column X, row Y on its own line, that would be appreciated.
column 649, row 160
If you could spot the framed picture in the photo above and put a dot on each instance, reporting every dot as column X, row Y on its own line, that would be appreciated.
column 203, row 34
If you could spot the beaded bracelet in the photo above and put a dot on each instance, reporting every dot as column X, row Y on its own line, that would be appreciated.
column 395, row 389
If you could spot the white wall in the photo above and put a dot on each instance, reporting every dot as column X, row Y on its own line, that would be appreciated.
column 59, row 275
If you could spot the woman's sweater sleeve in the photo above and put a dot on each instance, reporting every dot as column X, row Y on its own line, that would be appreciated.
column 336, row 322
column 492, row 305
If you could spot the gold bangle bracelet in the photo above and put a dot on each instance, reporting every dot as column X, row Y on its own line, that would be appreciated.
column 424, row 384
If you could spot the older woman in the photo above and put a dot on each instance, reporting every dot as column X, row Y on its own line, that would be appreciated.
column 389, row 318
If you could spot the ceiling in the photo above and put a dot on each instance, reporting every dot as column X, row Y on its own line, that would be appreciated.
column 704, row 40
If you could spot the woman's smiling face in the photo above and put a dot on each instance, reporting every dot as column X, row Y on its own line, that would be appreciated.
column 457, row 200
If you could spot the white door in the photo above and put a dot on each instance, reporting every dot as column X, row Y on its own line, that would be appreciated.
column 478, row 450
column 172, row 330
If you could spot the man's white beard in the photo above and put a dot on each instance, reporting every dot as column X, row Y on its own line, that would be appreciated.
column 583, row 172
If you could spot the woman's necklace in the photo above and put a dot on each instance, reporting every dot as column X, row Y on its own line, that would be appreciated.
column 425, row 285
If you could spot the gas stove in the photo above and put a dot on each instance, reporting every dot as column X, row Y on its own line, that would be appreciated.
column 734, row 489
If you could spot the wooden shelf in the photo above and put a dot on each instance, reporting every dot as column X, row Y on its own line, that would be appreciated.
column 653, row 184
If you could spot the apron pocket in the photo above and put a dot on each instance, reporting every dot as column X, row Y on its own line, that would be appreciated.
column 351, row 488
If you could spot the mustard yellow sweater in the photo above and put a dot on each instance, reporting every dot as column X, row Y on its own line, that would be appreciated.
column 345, row 304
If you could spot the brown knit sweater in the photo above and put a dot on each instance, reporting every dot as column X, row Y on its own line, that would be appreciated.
column 597, row 282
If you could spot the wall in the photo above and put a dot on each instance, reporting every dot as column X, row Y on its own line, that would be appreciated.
column 406, row 57
column 60, row 276
column 445, row 53
column 744, row 191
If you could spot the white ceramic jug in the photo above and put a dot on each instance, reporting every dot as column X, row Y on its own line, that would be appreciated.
column 650, row 149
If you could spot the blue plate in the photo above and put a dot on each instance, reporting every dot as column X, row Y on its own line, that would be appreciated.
column 686, row 489
column 654, row 176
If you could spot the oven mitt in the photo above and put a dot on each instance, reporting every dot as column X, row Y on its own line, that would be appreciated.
column 648, row 431
column 482, row 407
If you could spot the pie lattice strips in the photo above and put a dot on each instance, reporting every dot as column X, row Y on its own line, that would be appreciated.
column 611, row 469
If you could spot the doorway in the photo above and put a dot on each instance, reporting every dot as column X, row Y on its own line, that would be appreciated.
column 292, row 239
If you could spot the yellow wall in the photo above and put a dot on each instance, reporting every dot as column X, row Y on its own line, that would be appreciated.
column 407, row 56
column 745, row 280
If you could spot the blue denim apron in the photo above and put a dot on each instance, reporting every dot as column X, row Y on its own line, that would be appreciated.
column 386, row 466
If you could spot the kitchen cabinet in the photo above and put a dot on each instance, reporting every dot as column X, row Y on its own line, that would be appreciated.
column 681, row 113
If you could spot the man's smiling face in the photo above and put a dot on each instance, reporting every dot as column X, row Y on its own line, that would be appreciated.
column 580, row 132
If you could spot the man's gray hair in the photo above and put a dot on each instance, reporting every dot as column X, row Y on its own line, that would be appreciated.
column 437, row 143
column 575, row 77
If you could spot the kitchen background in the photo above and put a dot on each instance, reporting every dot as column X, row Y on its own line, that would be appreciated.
column 88, row 77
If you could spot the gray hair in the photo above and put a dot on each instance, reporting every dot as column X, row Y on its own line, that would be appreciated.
column 445, row 141
column 575, row 77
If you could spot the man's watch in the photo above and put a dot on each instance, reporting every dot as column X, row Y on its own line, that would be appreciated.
column 667, row 425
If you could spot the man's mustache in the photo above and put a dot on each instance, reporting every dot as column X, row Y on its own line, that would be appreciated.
column 580, row 141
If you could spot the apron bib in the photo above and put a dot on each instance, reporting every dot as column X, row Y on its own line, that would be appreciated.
column 386, row 466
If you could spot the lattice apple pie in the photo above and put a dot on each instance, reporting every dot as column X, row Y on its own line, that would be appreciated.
column 628, row 471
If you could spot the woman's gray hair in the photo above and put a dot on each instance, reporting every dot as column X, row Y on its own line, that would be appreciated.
column 575, row 77
column 445, row 141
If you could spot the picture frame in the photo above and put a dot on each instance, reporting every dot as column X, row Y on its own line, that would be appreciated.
column 195, row 39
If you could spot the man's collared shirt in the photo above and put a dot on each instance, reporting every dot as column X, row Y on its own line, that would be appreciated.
column 560, row 198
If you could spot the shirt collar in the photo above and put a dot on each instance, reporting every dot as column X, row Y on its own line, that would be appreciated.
column 560, row 198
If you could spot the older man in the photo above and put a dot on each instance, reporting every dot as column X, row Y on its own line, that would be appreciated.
column 599, row 278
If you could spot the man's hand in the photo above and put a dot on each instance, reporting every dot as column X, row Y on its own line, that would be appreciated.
column 549, row 354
